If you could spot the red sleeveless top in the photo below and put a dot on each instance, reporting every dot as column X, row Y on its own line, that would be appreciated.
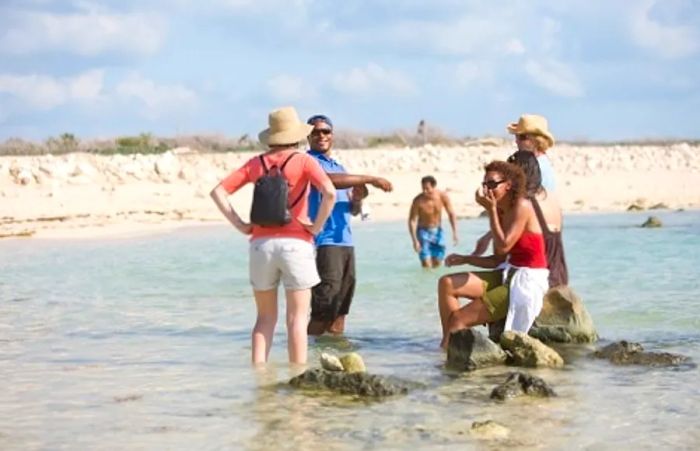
column 528, row 251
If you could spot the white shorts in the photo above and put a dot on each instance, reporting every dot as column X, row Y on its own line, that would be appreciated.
column 291, row 259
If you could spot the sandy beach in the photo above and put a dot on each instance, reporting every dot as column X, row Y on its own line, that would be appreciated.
column 87, row 196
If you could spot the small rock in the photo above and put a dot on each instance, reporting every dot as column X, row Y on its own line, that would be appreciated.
column 360, row 384
column 528, row 351
column 353, row 363
column 629, row 353
column 635, row 207
column 519, row 384
column 469, row 350
column 652, row 222
column 659, row 206
column 488, row 430
column 330, row 362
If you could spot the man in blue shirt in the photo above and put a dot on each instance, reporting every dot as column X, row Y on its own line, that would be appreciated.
column 335, row 256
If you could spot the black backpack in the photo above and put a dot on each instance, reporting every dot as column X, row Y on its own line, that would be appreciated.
column 271, row 196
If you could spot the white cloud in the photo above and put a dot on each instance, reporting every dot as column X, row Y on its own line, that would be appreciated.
column 470, row 72
column 44, row 92
column 554, row 76
column 158, row 100
column 84, row 33
column 666, row 40
column 464, row 36
column 373, row 79
column 288, row 88
column 514, row 47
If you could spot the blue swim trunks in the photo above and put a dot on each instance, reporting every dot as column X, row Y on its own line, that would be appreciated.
column 432, row 243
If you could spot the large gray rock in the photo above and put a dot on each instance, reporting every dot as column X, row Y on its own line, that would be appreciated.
column 359, row 383
column 563, row 319
column 527, row 351
column 519, row 384
column 469, row 350
column 629, row 353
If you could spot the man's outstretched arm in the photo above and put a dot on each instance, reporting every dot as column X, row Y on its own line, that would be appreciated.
column 342, row 181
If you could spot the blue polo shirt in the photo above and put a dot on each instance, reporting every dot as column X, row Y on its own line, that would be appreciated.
column 336, row 231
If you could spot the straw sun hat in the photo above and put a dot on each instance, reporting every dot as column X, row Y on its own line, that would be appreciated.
column 284, row 128
column 532, row 124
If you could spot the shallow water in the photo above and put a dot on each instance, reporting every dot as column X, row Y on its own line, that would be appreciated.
column 145, row 343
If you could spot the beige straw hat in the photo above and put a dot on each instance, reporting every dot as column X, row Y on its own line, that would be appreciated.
column 532, row 124
column 284, row 128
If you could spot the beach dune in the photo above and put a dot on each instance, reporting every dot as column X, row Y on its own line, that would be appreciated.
column 86, row 195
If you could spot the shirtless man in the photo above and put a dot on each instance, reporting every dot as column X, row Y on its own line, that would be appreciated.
column 425, row 223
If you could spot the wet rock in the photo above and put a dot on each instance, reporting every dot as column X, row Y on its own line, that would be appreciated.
column 353, row 363
column 469, row 350
column 652, row 222
column 635, row 207
column 330, row 362
column 520, row 384
column 527, row 351
column 360, row 384
column 629, row 353
column 488, row 430
column 563, row 319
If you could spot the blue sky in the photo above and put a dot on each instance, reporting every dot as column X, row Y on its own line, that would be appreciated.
column 598, row 69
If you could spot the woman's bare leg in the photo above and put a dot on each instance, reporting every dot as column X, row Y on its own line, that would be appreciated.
column 298, row 306
column 450, row 288
column 266, row 303
column 470, row 315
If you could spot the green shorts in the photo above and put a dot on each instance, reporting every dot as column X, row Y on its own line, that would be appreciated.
column 496, row 293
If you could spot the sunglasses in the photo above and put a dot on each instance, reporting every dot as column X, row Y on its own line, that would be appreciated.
column 522, row 137
column 492, row 184
column 321, row 131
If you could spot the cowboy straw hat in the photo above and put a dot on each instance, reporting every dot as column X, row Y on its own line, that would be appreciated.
column 532, row 124
column 284, row 128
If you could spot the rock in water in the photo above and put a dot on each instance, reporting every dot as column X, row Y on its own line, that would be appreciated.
column 629, row 353
column 488, row 430
column 528, row 351
column 358, row 383
column 651, row 223
column 519, row 384
column 469, row 350
column 330, row 362
column 563, row 319
column 353, row 363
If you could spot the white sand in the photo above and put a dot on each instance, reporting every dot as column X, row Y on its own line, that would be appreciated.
column 87, row 196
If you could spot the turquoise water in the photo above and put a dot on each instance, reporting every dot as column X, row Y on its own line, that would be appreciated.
column 144, row 343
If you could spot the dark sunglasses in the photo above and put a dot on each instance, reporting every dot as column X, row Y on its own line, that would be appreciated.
column 522, row 136
column 321, row 131
column 492, row 184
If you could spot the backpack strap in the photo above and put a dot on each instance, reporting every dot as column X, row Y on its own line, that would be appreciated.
column 540, row 215
column 296, row 201
column 287, row 161
column 262, row 160
column 303, row 192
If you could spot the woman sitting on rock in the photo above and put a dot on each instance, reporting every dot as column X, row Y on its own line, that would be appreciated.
column 514, row 288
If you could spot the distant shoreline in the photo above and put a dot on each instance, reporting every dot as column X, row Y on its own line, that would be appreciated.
column 84, row 195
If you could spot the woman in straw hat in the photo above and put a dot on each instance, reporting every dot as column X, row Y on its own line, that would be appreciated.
column 281, row 252
column 532, row 134
column 515, row 285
